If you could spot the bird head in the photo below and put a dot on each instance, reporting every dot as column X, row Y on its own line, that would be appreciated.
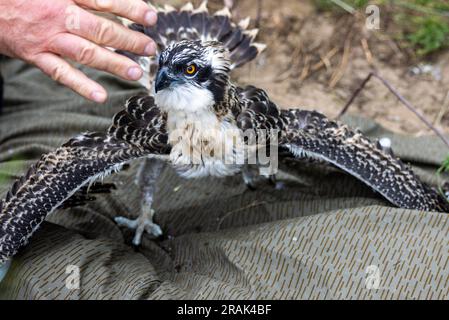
column 192, row 76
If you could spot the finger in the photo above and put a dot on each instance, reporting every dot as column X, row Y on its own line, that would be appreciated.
column 87, row 53
column 135, row 10
column 105, row 32
column 61, row 71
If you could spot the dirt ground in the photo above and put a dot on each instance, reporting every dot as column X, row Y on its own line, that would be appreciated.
column 316, row 61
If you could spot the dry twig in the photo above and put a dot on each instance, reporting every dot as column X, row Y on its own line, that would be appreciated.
column 338, row 74
column 444, row 109
column 305, row 69
column 259, row 13
column 325, row 61
column 404, row 101
column 367, row 51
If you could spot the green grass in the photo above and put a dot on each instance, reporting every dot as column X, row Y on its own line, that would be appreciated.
column 444, row 166
column 328, row 5
column 9, row 169
column 423, row 24
column 431, row 35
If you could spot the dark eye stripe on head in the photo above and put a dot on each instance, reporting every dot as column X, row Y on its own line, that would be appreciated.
column 203, row 74
column 211, row 62
column 181, row 52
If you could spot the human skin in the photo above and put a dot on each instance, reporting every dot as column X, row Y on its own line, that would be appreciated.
column 46, row 33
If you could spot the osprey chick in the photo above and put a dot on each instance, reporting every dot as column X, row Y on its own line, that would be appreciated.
column 193, row 89
column 186, row 122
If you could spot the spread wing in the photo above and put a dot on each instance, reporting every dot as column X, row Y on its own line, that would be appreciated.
column 310, row 135
column 136, row 132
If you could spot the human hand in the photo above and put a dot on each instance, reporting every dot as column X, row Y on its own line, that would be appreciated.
column 45, row 33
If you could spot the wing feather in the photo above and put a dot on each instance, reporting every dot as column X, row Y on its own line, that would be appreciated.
column 310, row 135
column 187, row 23
column 138, row 131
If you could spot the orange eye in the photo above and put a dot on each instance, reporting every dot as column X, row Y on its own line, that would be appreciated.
column 190, row 70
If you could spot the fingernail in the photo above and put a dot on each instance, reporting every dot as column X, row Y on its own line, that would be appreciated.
column 104, row 3
column 134, row 73
column 98, row 96
column 150, row 49
column 150, row 17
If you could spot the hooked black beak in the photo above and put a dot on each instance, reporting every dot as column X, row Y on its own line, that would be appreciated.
column 163, row 80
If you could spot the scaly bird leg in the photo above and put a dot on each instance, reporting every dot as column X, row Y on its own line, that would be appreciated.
column 146, row 178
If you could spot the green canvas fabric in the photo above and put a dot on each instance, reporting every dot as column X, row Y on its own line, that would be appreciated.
column 320, row 237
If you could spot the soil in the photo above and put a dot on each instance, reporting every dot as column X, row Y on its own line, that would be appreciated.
column 316, row 60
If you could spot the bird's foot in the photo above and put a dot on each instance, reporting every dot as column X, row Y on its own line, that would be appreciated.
column 144, row 223
column 252, row 180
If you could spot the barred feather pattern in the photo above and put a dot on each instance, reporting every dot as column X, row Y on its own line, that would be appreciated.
column 136, row 132
column 197, row 24
column 140, row 130
column 309, row 135
column 258, row 111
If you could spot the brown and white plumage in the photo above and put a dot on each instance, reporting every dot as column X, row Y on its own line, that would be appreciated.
column 191, row 23
column 311, row 135
column 190, row 106
column 82, row 160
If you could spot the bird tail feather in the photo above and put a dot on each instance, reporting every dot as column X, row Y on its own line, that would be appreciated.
column 189, row 23
column 60, row 174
